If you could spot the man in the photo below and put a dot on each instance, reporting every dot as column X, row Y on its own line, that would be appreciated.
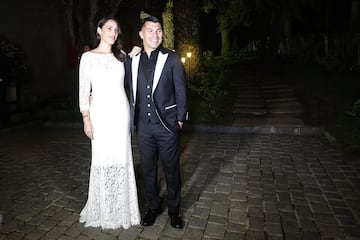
column 158, row 103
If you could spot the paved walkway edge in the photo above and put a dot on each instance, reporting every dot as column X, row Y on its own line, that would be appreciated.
column 265, row 129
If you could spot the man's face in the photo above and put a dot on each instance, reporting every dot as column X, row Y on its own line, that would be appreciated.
column 151, row 34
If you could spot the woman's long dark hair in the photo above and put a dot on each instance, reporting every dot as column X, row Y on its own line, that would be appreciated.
column 116, row 48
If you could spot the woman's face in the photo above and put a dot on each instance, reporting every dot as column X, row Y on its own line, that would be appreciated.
column 109, row 32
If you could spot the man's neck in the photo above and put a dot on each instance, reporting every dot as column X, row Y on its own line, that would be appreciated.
column 149, row 51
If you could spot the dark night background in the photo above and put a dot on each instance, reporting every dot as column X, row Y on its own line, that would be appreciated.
column 39, row 29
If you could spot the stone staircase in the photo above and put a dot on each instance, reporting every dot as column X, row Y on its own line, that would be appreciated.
column 265, row 100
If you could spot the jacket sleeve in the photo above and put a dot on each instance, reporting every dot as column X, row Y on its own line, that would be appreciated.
column 180, row 85
column 127, row 79
column 84, row 83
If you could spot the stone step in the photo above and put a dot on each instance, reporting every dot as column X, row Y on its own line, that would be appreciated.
column 275, row 86
column 278, row 95
column 281, row 99
column 249, row 96
column 248, row 92
column 250, row 111
column 276, row 111
column 293, row 104
column 249, row 104
column 265, row 121
column 277, row 90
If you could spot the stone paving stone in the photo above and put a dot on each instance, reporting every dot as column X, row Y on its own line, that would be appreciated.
column 308, row 224
column 9, row 225
column 24, row 228
column 311, row 235
column 236, row 227
column 233, row 236
column 202, row 202
column 290, row 226
column 56, row 232
column 197, row 222
column 104, row 236
column 193, row 233
column 272, row 218
column 236, row 216
column 129, row 234
column 151, row 232
column 255, row 235
column 219, row 209
column 201, row 212
column 47, row 225
column 15, row 236
column 217, row 219
column 216, row 231
column 342, row 212
column 51, row 211
column 35, row 235
column 75, row 230
column 255, row 223
column 352, row 232
column 69, row 220
column 292, row 235
column 270, row 207
column 64, row 237
column 239, row 196
column 91, row 232
column 273, row 228
column 274, row 237
column 255, row 211
column 170, row 232
column 327, row 219
column 331, row 231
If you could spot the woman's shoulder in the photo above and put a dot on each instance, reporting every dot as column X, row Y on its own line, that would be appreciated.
column 85, row 55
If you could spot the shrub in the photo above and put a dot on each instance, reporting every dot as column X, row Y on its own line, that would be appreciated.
column 211, row 85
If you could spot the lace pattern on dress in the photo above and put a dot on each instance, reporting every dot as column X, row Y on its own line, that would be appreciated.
column 84, row 82
column 112, row 200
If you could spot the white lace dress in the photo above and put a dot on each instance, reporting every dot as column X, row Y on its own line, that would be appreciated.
column 112, row 199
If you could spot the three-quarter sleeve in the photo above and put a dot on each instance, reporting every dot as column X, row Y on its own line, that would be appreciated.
column 84, row 83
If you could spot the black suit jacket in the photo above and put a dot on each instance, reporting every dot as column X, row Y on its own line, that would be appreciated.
column 169, row 92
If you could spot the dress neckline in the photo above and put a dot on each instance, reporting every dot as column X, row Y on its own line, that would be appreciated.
column 103, row 54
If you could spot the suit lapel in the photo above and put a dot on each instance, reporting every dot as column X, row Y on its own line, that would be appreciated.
column 134, row 72
column 160, row 62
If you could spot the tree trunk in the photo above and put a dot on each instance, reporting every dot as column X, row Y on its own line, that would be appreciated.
column 225, row 42
column 355, row 15
column 187, row 30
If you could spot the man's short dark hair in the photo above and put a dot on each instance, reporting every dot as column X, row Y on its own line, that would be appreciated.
column 150, row 19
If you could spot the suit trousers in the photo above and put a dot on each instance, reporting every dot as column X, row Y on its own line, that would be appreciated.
column 156, row 142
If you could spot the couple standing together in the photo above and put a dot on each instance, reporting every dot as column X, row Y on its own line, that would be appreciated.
column 155, row 79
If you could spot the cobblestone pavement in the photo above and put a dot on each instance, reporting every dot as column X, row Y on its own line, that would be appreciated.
column 235, row 186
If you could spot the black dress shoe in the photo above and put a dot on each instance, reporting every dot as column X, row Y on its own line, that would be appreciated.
column 150, row 216
column 176, row 221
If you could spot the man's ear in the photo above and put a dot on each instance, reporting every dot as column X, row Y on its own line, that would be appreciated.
column 141, row 35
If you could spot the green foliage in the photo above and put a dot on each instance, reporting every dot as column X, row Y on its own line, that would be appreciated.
column 211, row 86
column 168, row 22
column 355, row 111
column 12, row 61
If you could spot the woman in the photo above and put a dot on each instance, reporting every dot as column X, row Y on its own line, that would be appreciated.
column 112, row 200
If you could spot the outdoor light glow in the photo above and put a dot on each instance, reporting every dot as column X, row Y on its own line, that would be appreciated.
column 183, row 60
column 188, row 54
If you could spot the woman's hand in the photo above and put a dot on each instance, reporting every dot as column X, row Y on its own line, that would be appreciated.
column 135, row 50
column 88, row 128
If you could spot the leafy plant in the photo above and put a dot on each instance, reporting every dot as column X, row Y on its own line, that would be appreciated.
column 211, row 86
column 355, row 111
column 13, row 68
